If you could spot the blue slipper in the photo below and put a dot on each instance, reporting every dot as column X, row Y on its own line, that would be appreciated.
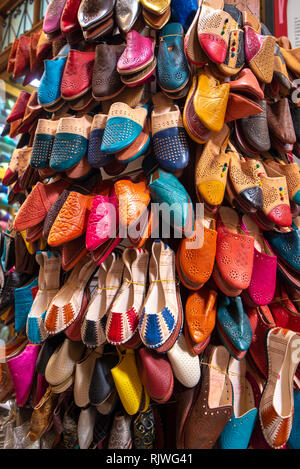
column 124, row 125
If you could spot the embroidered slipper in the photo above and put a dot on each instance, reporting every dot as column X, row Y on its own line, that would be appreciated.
column 172, row 67
column 141, row 77
column 48, row 286
column 43, row 143
column 160, row 312
column 70, row 142
column 38, row 203
column 244, row 176
column 259, row 49
column 169, row 139
column 138, row 148
column 192, row 124
column 124, row 314
column 138, row 54
column 124, row 125
column 103, row 220
column 212, row 169
column 291, row 173
column 214, row 33
column 234, row 255
column 235, row 57
column 263, row 280
column 73, row 332
column 109, row 281
column 133, row 199
column 192, row 48
column 71, row 221
column 210, row 101
column 66, row 305
column 276, row 206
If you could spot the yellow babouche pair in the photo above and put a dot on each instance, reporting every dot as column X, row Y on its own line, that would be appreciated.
column 131, row 391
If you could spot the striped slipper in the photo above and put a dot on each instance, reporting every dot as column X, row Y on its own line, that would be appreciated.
column 109, row 281
column 66, row 305
column 160, row 310
column 123, row 316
